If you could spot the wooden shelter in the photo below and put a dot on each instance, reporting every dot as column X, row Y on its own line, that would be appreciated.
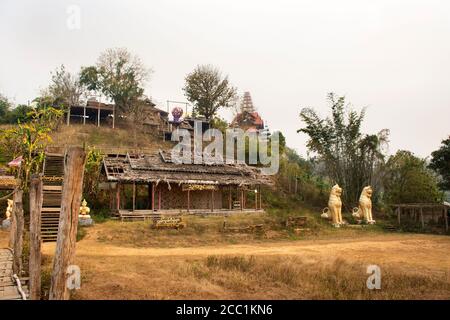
column 145, row 184
column 93, row 112
column 423, row 212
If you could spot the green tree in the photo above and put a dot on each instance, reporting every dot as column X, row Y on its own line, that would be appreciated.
column 5, row 106
column 351, row 159
column 65, row 90
column 440, row 162
column 208, row 91
column 119, row 75
column 408, row 180
column 29, row 141
column 19, row 114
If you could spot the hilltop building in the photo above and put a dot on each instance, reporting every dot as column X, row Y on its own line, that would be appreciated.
column 248, row 118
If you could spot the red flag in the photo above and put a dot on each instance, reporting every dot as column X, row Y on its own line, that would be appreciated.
column 16, row 162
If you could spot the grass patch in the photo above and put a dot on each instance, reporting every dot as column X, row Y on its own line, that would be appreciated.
column 81, row 233
column 296, row 279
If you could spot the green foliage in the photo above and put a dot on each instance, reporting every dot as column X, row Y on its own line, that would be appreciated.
column 29, row 140
column 219, row 124
column 5, row 106
column 440, row 162
column 208, row 91
column 118, row 75
column 64, row 91
column 408, row 180
column 297, row 173
column 351, row 159
column 92, row 172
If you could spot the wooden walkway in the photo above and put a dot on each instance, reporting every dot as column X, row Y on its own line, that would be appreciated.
column 8, row 286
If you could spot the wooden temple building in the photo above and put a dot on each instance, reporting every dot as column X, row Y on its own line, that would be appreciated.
column 144, row 184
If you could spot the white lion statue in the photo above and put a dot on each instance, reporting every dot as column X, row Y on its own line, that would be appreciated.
column 334, row 210
column 9, row 209
column 364, row 211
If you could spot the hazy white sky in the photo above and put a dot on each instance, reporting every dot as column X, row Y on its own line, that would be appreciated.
column 391, row 56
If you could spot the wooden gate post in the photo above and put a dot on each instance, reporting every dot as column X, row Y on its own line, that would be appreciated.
column 35, row 237
column 17, row 231
column 74, row 161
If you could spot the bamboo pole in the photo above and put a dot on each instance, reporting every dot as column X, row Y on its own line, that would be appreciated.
column 74, row 161
column 35, row 237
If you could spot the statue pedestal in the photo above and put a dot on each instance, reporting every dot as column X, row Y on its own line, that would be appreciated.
column 85, row 220
column 6, row 224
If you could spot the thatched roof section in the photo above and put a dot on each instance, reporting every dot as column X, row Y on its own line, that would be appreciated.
column 159, row 168
column 8, row 182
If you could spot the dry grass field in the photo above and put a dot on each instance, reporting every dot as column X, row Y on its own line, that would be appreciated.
column 106, row 138
column 131, row 261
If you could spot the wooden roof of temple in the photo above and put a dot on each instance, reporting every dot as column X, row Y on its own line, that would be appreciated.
column 159, row 167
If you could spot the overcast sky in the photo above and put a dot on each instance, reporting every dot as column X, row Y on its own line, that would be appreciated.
column 392, row 57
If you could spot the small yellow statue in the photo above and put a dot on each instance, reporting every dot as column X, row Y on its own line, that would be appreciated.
column 84, row 210
column 9, row 209
column 334, row 207
column 364, row 211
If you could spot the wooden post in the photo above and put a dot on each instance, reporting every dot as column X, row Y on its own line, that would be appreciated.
column 445, row 218
column 399, row 213
column 68, row 116
column 188, row 200
column 17, row 231
column 242, row 199
column 212, row 200
column 35, row 237
column 114, row 116
column 74, row 161
column 134, row 196
column 229, row 198
column 84, row 115
column 260, row 198
column 118, row 196
column 421, row 218
column 159, row 198
column 98, row 114
column 153, row 196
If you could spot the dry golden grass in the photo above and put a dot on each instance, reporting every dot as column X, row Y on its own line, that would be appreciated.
column 106, row 138
column 201, row 231
column 131, row 261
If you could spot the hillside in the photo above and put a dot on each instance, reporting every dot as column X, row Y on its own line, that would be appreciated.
column 106, row 139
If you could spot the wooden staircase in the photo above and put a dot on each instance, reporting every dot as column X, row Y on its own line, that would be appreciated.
column 52, row 190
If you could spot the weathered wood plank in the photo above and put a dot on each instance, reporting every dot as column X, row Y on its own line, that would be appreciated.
column 35, row 237
column 74, row 161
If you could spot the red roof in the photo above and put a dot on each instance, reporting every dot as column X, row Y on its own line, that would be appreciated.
column 246, row 118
